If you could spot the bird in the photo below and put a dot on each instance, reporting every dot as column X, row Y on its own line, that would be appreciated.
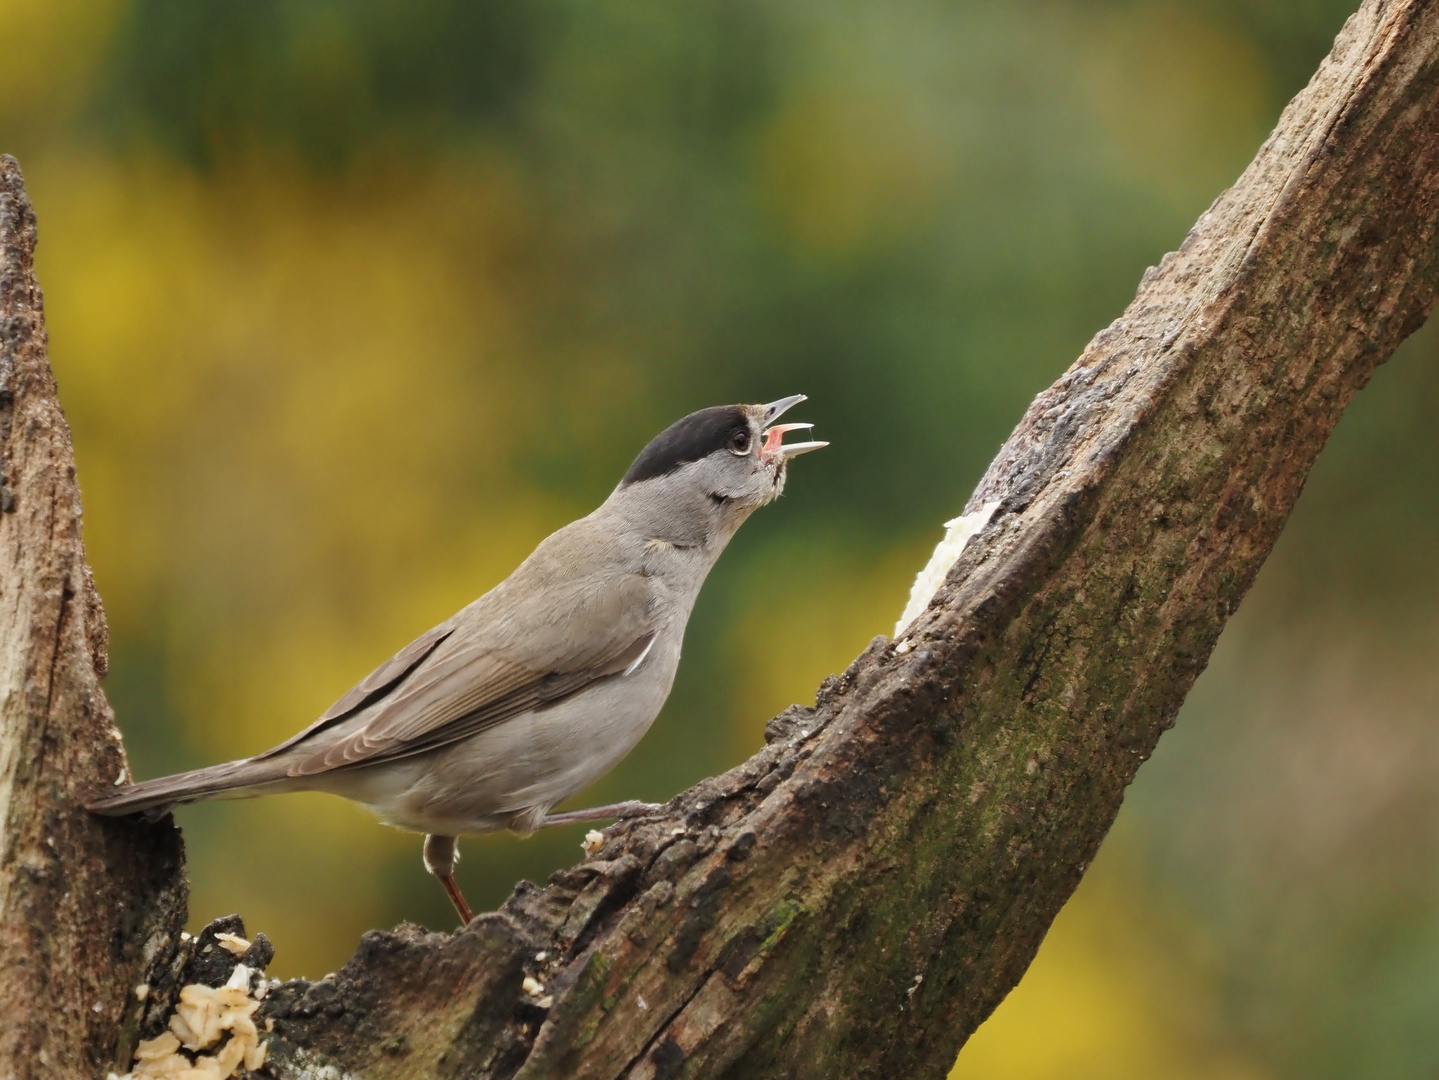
column 538, row 688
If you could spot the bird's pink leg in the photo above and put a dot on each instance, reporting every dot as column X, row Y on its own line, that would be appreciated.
column 441, row 855
column 457, row 898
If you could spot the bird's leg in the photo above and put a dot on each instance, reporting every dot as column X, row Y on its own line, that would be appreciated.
column 633, row 808
column 441, row 855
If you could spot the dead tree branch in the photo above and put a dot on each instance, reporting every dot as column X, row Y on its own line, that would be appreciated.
column 85, row 903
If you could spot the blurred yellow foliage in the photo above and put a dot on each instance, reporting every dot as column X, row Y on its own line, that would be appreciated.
column 847, row 168
column 809, row 607
column 857, row 155
column 51, row 49
column 1102, row 1001
column 1173, row 90
column 293, row 410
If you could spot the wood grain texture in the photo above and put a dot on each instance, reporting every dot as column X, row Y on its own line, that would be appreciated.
column 88, row 908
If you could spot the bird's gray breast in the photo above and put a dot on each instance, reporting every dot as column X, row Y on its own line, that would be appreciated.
column 529, row 763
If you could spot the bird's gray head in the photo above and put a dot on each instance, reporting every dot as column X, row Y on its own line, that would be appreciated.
column 703, row 475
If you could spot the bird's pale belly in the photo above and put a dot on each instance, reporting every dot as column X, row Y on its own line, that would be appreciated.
column 512, row 774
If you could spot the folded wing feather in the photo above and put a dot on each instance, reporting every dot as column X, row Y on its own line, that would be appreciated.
column 482, row 671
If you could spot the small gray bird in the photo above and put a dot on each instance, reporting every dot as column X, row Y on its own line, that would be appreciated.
column 539, row 687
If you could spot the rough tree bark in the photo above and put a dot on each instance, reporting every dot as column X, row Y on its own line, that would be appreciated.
column 85, row 903
column 856, row 898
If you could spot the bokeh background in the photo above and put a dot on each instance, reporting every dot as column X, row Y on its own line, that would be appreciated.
column 352, row 301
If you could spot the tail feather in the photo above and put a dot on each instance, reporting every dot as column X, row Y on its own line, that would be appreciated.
column 155, row 798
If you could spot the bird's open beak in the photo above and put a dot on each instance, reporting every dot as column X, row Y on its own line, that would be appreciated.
column 775, row 409
column 774, row 447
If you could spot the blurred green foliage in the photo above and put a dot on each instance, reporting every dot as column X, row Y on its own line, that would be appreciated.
column 351, row 303
column 324, row 80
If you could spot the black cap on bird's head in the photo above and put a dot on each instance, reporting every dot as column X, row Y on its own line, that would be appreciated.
column 739, row 430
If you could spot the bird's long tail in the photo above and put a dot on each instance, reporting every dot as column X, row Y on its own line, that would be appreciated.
column 155, row 798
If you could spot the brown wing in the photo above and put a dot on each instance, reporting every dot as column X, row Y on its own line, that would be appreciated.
column 503, row 657
column 374, row 685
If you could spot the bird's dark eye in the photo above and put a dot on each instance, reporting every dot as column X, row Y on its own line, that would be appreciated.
column 739, row 442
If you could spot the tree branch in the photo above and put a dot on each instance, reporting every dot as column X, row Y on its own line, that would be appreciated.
column 87, row 904
column 858, row 896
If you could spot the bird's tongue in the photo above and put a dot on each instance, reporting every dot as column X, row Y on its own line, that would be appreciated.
column 774, row 437
column 775, row 448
